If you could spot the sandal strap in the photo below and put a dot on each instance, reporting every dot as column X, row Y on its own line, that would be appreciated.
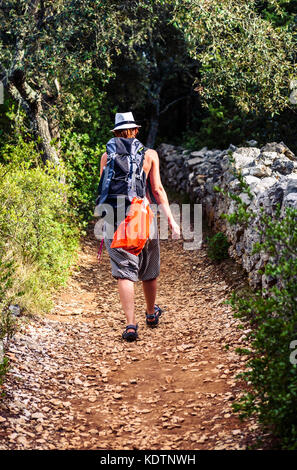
column 132, row 327
column 158, row 310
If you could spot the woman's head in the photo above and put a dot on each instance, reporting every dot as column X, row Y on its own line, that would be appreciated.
column 126, row 133
column 125, row 125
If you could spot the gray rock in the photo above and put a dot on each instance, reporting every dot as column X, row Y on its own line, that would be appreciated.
column 199, row 153
column 268, row 157
column 268, row 182
column 253, row 152
column 275, row 194
column 225, row 163
column 245, row 198
column 180, row 175
column 245, row 157
column 15, row 310
column 284, row 167
column 274, row 147
column 279, row 148
column 252, row 180
column 271, row 174
column 171, row 158
column 260, row 171
column 290, row 200
column 171, row 165
column 291, row 184
column 194, row 161
column 216, row 153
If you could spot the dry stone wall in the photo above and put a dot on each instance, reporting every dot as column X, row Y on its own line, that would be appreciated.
column 270, row 172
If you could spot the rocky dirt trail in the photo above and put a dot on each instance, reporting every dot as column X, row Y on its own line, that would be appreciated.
column 74, row 384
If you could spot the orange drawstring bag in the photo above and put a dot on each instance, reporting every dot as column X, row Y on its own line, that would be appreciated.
column 133, row 232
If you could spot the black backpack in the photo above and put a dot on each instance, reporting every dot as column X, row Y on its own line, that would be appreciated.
column 123, row 174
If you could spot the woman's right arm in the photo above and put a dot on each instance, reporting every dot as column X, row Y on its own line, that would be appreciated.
column 103, row 162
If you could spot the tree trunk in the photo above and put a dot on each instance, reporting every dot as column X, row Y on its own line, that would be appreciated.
column 32, row 103
column 153, row 130
column 41, row 124
column 155, row 115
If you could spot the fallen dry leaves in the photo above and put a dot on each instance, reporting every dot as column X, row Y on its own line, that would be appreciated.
column 74, row 384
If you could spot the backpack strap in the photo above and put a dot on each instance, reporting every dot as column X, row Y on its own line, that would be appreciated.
column 108, row 171
column 108, row 174
column 136, row 162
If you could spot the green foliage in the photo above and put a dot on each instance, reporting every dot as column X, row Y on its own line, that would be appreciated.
column 154, row 75
column 146, row 55
column 83, row 143
column 75, row 35
column 217, row 247
column 8, row 295
column 272, row 314
column 221, row 125
column 243, row 56
column 38, row 229
column 83, row 163
column 270, row 372
column 4, row 366
column 8, row 325
column 279, row 12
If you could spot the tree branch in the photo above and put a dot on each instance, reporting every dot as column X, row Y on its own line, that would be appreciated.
column 172, row 103
column 17, row 78
column 3, row 75
column 18, row 56
column 17, row 96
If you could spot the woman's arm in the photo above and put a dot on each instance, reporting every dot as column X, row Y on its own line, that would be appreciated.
column 159, row 191
column 103, row 162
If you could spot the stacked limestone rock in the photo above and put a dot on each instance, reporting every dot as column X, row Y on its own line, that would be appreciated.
column 271, row 173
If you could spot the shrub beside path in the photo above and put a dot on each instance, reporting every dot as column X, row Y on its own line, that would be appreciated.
column 74, row 384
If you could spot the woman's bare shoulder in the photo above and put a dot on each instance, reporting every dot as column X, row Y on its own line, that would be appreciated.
column 151, row 154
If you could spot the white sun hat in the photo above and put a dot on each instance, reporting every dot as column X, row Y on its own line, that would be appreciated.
column 124, row 121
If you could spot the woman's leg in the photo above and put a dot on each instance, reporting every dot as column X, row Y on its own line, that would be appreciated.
column 126, row 291
column 150, row 292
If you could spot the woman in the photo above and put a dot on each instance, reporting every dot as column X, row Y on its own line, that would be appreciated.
column 126, row 267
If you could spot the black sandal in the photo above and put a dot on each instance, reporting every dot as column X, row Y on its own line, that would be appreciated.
column 153, row 319
column 130, row 335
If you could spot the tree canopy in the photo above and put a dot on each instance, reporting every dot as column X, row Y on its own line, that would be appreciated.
column 168, row 60
column 243, row 55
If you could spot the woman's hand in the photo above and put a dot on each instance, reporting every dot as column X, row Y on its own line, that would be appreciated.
column 175, row 229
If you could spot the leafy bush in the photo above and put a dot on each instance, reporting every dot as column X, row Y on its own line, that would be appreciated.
column 83, row 143
column 219, row 125
column 218, row 247
column 273, row 317
column 272, row 314
column 3, row 371
column 38, row 231
column 83, row 164
column 8, row 324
